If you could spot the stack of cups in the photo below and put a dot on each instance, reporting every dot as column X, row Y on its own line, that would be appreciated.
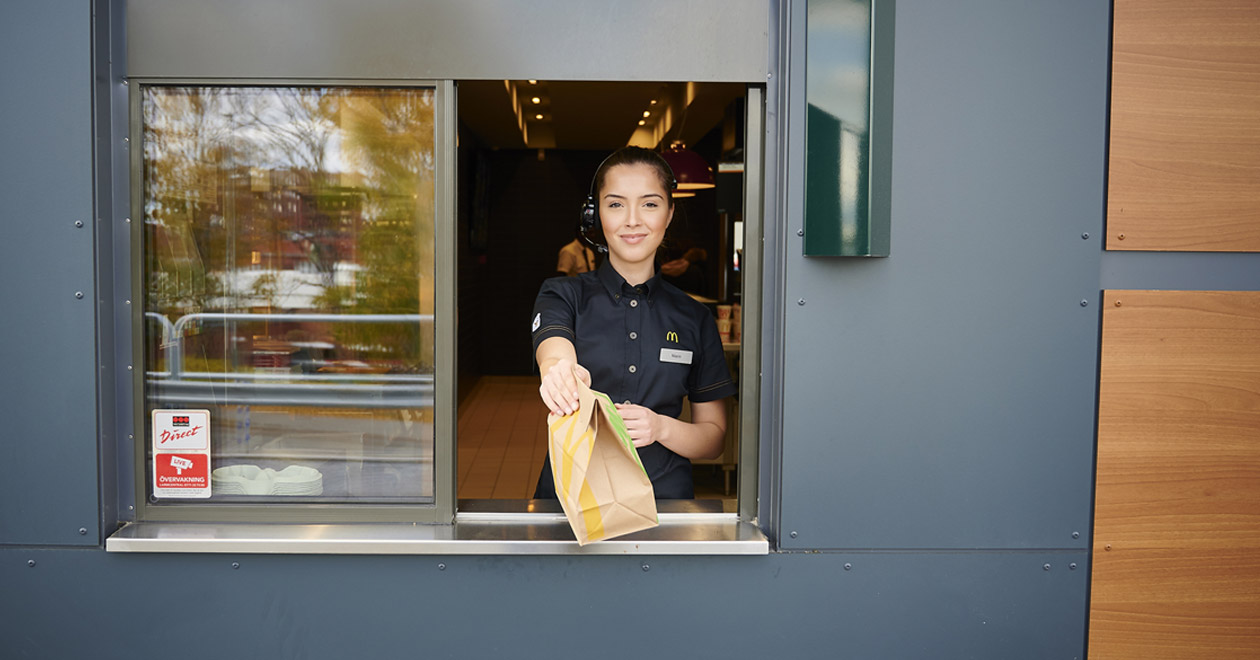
column 724, row 323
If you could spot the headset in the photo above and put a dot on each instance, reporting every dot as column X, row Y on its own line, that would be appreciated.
column 590, row 208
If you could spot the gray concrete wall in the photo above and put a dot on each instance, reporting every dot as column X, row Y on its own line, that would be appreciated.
column 934, row 444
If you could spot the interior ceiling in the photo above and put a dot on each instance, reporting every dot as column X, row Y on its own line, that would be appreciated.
column 599, row 116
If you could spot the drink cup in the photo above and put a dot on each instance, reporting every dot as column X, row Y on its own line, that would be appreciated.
column 724, row 329
column 724, row 311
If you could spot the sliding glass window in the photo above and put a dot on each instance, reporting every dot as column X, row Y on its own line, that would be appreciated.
column 287, row 278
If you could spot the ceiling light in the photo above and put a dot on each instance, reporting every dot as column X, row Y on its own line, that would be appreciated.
column 642, row 122
column 647, row 113
column 536, row 100
column 537, row 116
column 652, row 102
column 680, row 193
column 533, row 82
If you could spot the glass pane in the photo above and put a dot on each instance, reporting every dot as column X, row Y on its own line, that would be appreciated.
column 288, row 263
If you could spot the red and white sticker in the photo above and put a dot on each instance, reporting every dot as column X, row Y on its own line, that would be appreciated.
column 181, row 453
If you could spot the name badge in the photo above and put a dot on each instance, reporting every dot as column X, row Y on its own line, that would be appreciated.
column 677, row 356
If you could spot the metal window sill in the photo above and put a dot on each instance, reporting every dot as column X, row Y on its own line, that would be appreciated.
column 471, row 534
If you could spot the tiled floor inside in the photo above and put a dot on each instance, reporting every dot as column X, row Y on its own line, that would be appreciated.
column 503, row 440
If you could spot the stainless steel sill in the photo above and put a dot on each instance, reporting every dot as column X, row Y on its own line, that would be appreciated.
column 472, row 533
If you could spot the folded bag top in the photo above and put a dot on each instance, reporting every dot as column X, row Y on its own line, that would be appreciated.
column 600, row 481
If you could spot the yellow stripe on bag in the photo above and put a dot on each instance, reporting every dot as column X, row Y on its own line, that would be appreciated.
column 566, row 457
column 591, row 515
column 579, row 444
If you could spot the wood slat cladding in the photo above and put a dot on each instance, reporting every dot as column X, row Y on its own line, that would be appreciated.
column 1176, row 558
column 1184, row 161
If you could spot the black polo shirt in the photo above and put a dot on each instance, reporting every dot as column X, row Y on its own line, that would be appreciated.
column 649, row 345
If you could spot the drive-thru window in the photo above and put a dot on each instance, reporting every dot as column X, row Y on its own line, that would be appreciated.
column 296, row 266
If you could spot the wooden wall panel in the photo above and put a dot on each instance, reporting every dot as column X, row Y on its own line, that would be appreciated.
column 1184, row 161
column 1176, row 557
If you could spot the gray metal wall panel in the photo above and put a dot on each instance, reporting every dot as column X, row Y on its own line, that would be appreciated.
column 905, row 606
column 721, row 40
column 48, row 471
column 944, row 397
column 1185, row 271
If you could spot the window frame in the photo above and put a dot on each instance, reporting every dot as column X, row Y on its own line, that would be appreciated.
column 132, row 350
column 349, row 528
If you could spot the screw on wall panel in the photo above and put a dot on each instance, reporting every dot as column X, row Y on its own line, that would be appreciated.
column 236, row 564
column 131, row 507
column 1084, row 303
column 769, row 76
column 1085, row 236
column 82, row 531
column 793, row 535
column 1121, row 237
column 128, row 367
column 30, row 562
column 848, row 567
column 127, row 302
column 1076, row 535
column 1072, row 566
column 78, row 223
column 1045, row 567
column 1107, row 547
column 78, row 294
column 1117, row 303
column 801, row 301
column 128, row 220
column 441, row 567
column 646, row 568
column 126, row 139
column 800, row 232
column 131, row 436
column 124, row 81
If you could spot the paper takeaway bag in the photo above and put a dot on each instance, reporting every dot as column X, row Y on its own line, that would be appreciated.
column 599, row 479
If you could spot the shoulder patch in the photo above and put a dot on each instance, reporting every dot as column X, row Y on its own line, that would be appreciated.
column 537, row 322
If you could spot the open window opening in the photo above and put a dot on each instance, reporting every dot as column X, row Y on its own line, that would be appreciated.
column 527, row 151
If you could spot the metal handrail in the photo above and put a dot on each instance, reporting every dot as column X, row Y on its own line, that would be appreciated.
column 320, row 389
column 175, row 361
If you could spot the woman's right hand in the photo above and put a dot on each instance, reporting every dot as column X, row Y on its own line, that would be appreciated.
column 559, row 386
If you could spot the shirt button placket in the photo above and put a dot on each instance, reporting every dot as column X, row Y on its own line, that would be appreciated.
column 634, row 349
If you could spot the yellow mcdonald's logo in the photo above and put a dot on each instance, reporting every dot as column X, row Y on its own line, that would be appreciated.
column 671, row 336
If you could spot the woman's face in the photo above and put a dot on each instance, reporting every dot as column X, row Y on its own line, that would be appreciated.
column 634, row 210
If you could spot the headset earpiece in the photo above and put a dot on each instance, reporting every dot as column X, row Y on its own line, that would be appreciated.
column 588, row 223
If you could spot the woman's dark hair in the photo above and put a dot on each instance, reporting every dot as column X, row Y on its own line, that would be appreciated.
column 637, row 156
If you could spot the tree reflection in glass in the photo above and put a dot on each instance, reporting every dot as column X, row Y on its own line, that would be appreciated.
column 288, row 270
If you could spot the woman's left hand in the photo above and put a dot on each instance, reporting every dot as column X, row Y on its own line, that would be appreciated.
column 644, row 426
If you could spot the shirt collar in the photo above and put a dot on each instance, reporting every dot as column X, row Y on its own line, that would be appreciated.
column 617, row 286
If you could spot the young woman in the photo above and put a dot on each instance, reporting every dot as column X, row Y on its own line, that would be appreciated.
column 624, row 331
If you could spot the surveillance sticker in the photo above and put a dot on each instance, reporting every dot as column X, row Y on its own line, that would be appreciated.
column 181, row 453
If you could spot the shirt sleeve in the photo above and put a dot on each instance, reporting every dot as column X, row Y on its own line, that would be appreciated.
column 710, row 378
column 555, row 310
